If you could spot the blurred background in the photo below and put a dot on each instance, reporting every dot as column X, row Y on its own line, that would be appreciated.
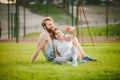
column 22, row 18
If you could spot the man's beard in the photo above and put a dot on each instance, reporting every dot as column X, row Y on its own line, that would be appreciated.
column 50, row 30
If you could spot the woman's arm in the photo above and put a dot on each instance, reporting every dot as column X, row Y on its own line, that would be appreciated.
column 73, row 32
column 56, row 51
column 71, row 35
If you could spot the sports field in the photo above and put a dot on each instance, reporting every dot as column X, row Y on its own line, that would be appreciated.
column 15, row 63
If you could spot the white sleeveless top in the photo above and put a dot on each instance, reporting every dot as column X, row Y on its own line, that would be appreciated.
column 64, row 47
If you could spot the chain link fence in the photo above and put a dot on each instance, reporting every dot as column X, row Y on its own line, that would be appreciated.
column 96, row 15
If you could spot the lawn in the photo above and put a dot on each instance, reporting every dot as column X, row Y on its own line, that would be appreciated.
column 15, row 64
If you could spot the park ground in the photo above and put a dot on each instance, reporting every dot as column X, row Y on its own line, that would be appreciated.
column 15, row 57
column 15, row 63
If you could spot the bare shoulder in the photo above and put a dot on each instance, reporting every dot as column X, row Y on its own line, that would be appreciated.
column 43, row 35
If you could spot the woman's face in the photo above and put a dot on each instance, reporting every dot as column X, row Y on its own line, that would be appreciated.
column 58, row 34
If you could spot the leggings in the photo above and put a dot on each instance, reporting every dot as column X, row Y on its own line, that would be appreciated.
column 69, row 57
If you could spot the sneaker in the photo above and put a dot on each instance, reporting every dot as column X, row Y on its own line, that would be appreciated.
column 81, row 61
column 89, row 59
column 74, row 63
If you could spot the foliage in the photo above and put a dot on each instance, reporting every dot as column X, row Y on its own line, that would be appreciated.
column 15, row 64
column 113, row 30
column 33, row 35
column 55, row 12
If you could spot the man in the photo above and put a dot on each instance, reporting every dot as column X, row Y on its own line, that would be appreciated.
column 46, row 45
column 45, row 42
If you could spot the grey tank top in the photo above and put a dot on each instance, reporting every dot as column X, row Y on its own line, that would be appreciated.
column 49, row 52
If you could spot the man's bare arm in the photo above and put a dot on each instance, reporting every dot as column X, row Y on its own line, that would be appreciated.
column 40, row 45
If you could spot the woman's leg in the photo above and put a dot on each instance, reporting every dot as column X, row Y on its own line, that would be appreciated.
column 81, row 52
column 61, row 60
column 75, row 54
column 79, row 47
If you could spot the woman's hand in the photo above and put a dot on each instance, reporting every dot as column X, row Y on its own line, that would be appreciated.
column 69, row 29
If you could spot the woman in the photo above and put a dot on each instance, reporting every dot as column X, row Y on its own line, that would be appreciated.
column 65, row 52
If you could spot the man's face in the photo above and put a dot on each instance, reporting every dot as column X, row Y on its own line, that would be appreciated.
column 50, row 26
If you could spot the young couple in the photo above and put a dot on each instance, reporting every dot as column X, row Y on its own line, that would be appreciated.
column 52, row 41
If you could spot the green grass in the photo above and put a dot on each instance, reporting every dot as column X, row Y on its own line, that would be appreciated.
column 15, row 58
column 33, row 35
column 55, row 12
column 113, row 31
column 59, row 15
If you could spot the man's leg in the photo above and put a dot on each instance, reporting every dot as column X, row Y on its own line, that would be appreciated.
column 49, row 55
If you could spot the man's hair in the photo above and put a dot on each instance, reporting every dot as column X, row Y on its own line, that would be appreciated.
column 44, row 21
